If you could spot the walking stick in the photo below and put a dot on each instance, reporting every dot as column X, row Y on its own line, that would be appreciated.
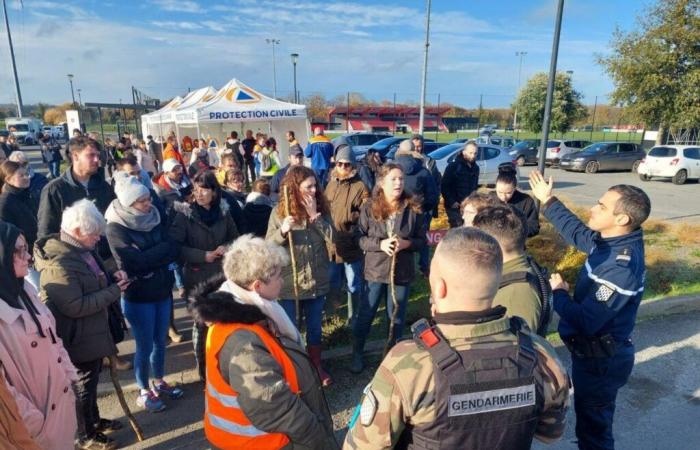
column 394, row 302
column 294, row 263
column 120, row 395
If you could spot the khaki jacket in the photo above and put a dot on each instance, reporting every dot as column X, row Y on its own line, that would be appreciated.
column 345, row 197
column 520, row 299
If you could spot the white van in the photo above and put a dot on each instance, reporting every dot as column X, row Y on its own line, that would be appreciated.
column 25, row 129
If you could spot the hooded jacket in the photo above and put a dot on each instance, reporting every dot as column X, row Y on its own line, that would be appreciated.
column 19, row 208
column 36, row 366
column 460, row 179
column 345, row 197
column 320, row 150
column 78, row 299
column 196, row 238
column 257, row 210
column 418, row 181
column 248, row 367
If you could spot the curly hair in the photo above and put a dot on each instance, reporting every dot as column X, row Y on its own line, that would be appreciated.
column 292, row 180
column 380, row 207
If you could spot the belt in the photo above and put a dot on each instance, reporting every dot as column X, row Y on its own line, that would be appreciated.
column 603, row 346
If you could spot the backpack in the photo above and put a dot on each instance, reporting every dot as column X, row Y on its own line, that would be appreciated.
column 265, row 161
column 540, row 283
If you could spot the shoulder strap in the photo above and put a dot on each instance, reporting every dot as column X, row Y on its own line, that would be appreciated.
column 527, row 356
column 443, row 356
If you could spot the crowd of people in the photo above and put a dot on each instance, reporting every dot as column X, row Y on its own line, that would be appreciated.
column 262, row 249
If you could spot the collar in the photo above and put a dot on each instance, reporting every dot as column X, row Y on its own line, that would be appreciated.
column 8, row 314
column 322, row 138
column 626, row 239
column 517, row 263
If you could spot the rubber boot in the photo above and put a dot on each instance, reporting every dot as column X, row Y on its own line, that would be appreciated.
column 315, row 355
column 357, row 363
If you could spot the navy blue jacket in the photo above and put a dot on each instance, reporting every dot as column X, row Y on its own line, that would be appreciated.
column 610, row 285
column 459, row 180
column 419, row 182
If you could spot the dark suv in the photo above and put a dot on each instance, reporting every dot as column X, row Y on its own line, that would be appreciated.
column 604, row 156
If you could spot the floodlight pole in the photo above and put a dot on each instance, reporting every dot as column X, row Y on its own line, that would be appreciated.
column 424, row 79
column 295, row 58
column 520, row 71
column 18, row 93
column 550, row 86
column 274, row 71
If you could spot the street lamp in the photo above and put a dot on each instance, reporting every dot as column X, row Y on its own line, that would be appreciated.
column 80, row 98
column 520, row 70
column 72, row 94
column 274, row 72
column 295, row 58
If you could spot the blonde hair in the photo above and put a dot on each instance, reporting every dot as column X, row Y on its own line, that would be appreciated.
column 251, row 258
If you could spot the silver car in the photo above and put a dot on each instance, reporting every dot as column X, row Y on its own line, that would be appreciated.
column 557, row 148
column 489, row 158
column 359, row 142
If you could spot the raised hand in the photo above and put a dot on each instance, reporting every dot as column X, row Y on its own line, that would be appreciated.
column 541, row 189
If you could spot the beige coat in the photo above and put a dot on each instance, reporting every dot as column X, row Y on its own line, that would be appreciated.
column 39, row 374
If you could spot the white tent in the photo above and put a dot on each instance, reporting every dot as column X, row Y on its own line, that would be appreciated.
column 161, row 122
column 237, row 107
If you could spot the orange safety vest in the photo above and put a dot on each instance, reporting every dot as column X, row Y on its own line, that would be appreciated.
column 225, row 424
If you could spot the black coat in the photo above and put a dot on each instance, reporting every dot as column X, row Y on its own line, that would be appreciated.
column 410, row 225
column 460, row 179
column 19, row 208
column 526, row 205
column 145, row 257
column 367, row 176
column 62, row 192
column 419, row 182
column 257, row 216
column 237, row 212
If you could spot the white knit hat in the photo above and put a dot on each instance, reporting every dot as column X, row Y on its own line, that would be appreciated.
column 128, row 188
column 169, row 164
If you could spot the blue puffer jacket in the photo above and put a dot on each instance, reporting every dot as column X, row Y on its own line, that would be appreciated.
column 320, row 150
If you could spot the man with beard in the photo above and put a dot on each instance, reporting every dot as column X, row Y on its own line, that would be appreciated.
column 461, row 179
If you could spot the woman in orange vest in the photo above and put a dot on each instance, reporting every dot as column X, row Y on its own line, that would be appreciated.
column 263, row 392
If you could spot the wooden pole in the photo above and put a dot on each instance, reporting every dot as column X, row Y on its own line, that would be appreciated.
column 122, row 401
column 294, row 263
column 394, row 301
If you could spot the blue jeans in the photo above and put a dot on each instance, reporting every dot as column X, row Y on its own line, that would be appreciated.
column 311, row 312
column 177, row 271
column 424, row 253
column 370, row 302
column 55, row 169
column 353, row 275
column 149, row 325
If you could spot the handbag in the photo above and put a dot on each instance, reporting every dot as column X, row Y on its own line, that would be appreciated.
column 117, row 324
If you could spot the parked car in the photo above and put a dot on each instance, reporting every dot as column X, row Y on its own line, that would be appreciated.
column 359, row 142
column 488, row 129
column 461, row 140
column 557, row 148
column 428, row 148
column 604, row 156
column 501, row 141
column 489, row 158
column 677, row 162
column 390, row 144
column 525, row 152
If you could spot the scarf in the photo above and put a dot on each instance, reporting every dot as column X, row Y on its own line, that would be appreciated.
column 270, row 308
column 208, row 216
column 132, row 218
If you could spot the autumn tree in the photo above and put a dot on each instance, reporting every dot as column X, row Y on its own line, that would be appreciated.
column 566, row 103
column 656, row 67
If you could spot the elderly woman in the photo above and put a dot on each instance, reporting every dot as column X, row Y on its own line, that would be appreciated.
column 203, row 227
column 309, row 221
column 79, row 291
column 391, row 227
column 36, row 366
column 142, row 248
column 256, row 360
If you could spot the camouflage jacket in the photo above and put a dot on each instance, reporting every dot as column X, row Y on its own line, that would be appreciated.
column 404, row 386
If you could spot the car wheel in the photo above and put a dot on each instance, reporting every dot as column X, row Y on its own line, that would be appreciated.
column 635, row 166
column 592, row 167
column 680, row 177
column 520, row 161
column 644, row 177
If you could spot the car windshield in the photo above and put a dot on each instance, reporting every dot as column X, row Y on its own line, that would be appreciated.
column 19, row 127
column 595, row 148
column 663, row 152
column 445, row 151
column 552, row 144
column 385, row 143
column 523, row 145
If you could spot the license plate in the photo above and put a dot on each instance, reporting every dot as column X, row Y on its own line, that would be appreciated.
column 565, row 163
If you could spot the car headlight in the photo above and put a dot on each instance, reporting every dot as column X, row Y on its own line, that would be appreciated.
column 512, row 152
column 579, row 159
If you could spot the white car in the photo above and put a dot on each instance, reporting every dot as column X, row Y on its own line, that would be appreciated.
column 489, row 158
column 677, row 162
column 556, row 148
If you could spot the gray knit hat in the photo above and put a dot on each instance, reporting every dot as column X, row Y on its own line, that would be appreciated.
column 345, row 154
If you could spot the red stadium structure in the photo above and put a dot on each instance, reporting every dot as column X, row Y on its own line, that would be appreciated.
column 399, row 118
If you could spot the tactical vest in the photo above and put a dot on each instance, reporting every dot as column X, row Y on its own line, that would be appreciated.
column 539, row 281
column 485, row 398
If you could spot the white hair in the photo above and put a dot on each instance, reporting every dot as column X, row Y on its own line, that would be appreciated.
column 407, row 145
column 83, row 215
column 18, row 156
column 251, row 258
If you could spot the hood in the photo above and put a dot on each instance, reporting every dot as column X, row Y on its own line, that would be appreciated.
column 10, row 285
column 50, row 249
column 256, row 198
column 409, row 164
column 187, row 209
column 208, row 304
column 316, row 139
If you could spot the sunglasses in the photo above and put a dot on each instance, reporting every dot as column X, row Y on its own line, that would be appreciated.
column 343, row 164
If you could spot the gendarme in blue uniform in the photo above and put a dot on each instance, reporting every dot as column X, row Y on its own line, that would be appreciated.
column 597, row 323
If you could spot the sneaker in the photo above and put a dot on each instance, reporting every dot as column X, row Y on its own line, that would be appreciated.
column 165, row 388
column 150, row 402
column 98, row 442
column 106, row 425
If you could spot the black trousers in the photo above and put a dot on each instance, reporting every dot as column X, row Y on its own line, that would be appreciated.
column 249, row 170
column 86, row 397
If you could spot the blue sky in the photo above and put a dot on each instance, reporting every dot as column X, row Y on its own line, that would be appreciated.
column 374, row 47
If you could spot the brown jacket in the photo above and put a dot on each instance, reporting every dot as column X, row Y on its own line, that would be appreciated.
column 197, row 238
column 310, row 254
column 77, row 299
column 346, row 196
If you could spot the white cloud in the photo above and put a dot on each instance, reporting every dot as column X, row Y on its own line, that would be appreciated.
column 186, row 6
column 219, row 27
column 174, row 26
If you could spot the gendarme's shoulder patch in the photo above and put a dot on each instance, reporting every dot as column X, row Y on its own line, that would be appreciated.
column 603, row 293
column 494, row 400
column 368, row 408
